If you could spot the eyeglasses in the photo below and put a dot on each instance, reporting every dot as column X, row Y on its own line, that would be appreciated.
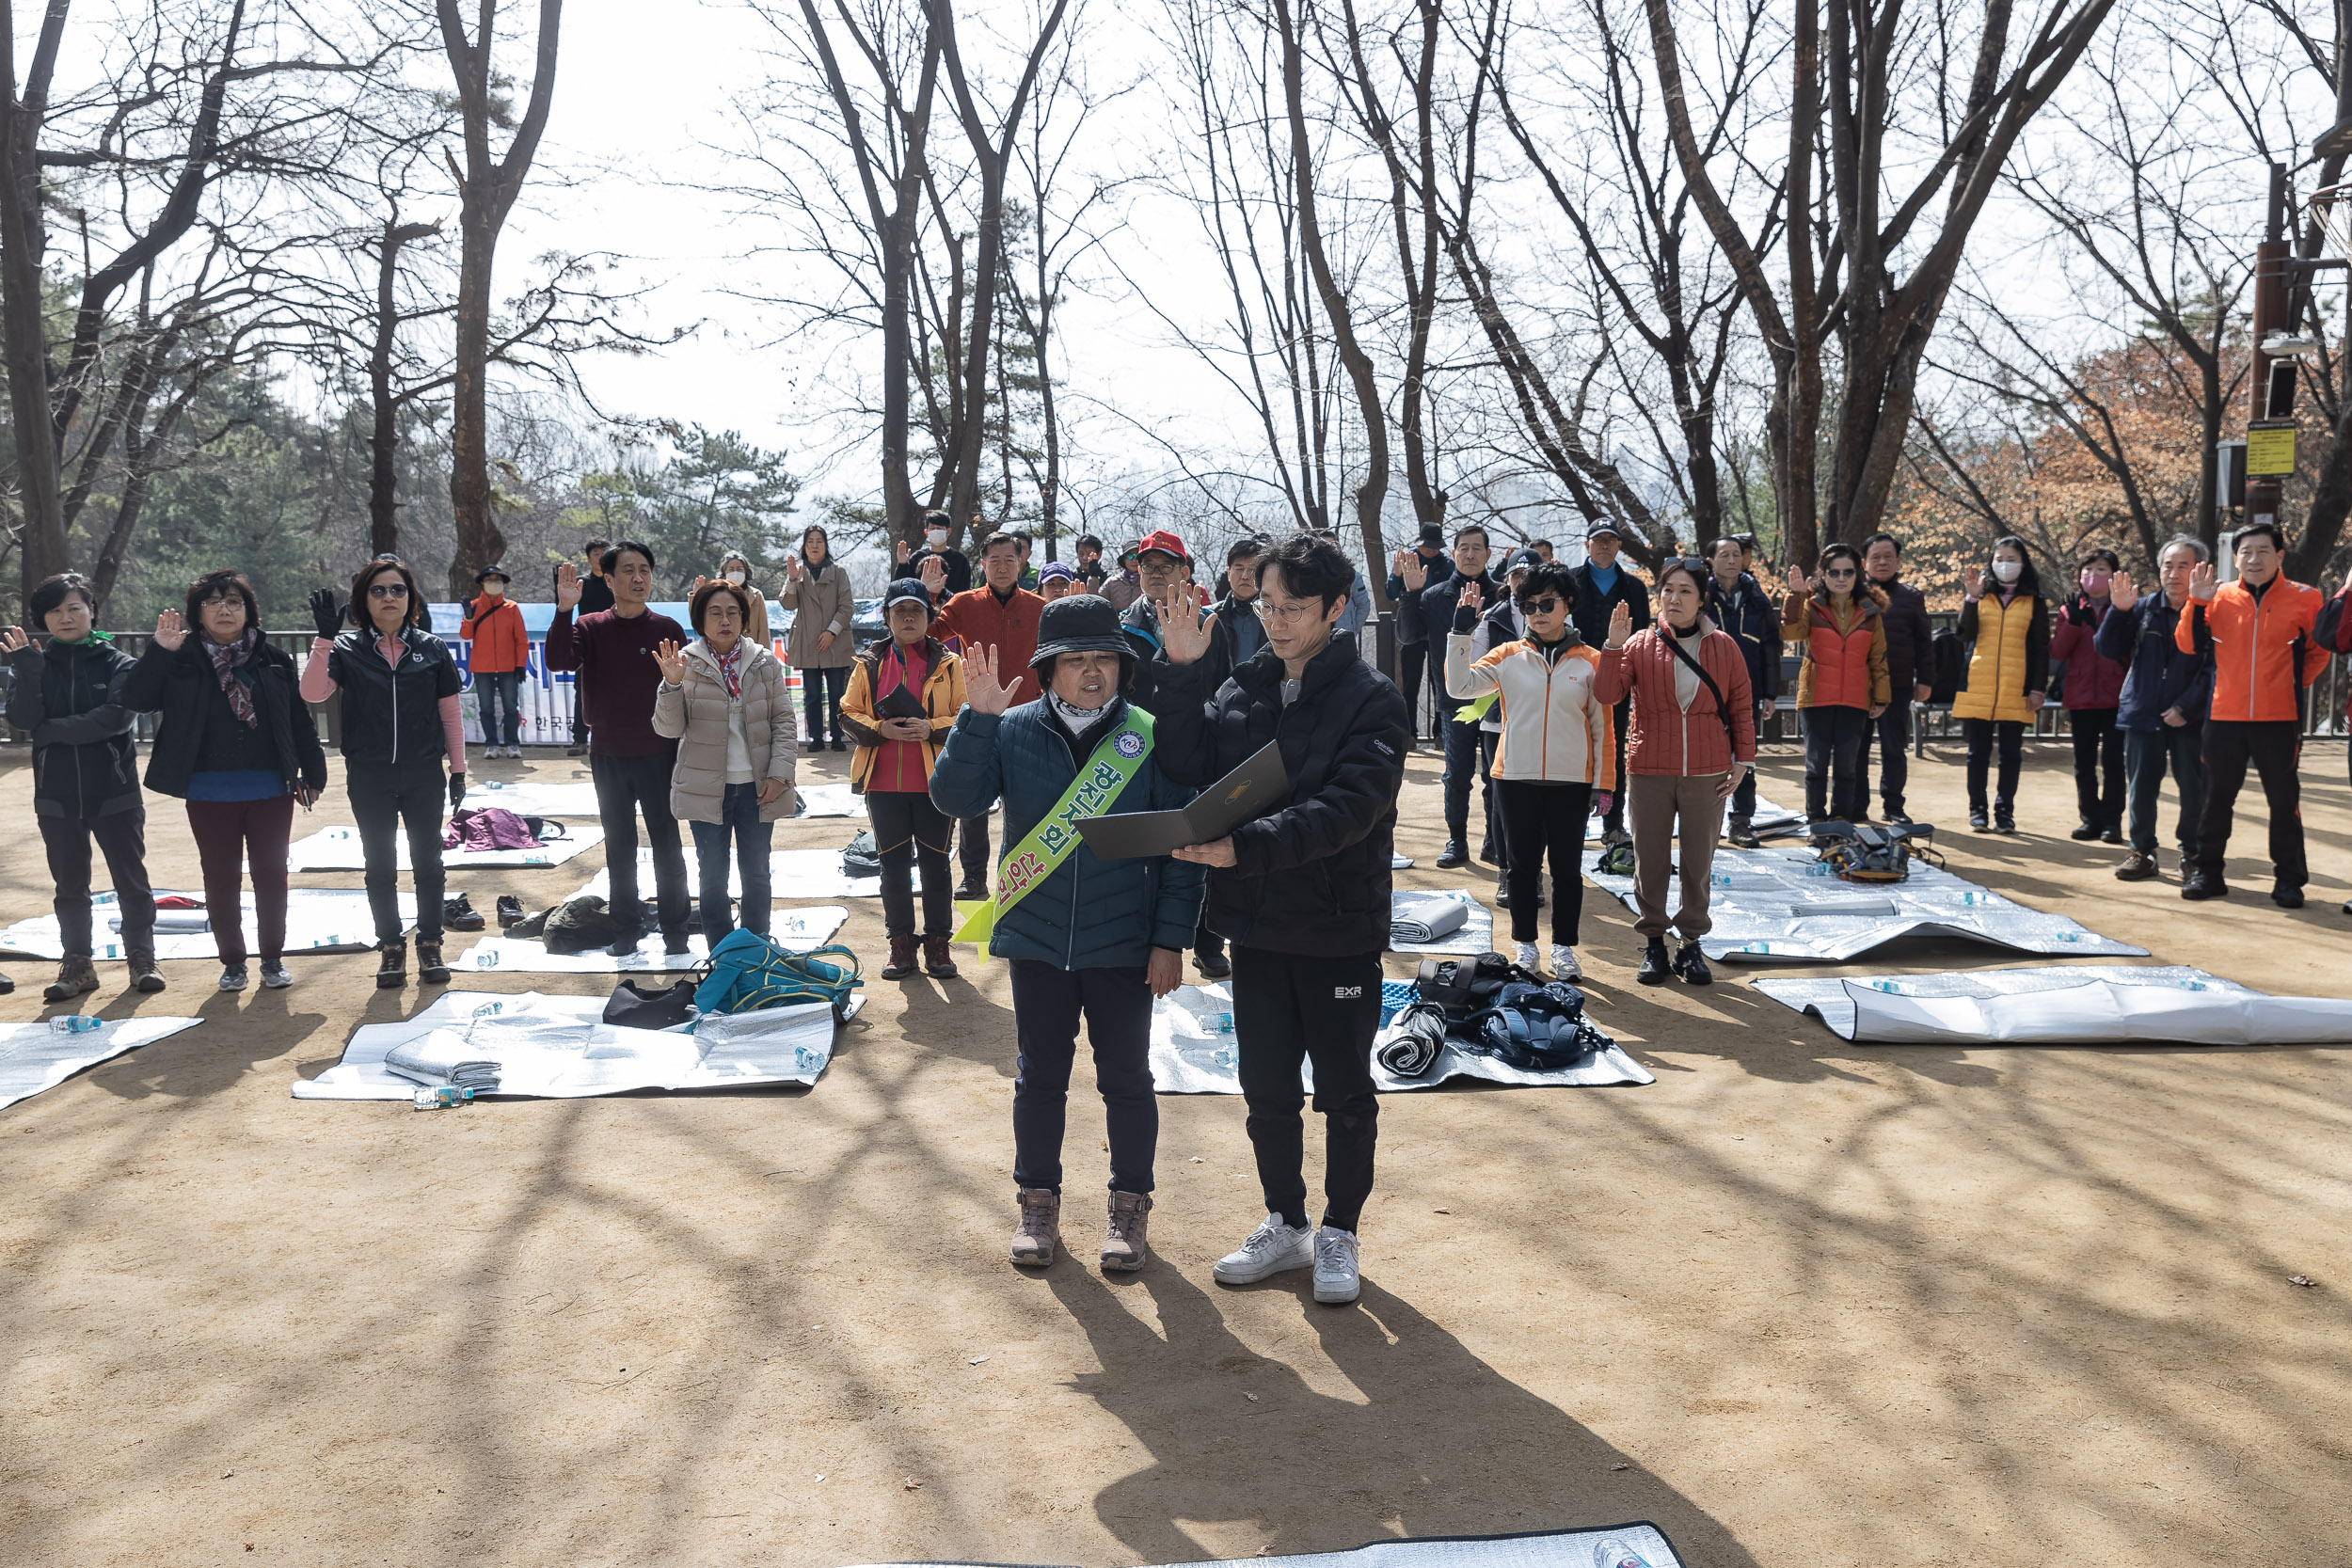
column 1548, row 605
column 218, row 601
column 1286, row 615
column 387, row 591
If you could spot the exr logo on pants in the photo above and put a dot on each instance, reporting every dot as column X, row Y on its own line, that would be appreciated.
column 1347, row 994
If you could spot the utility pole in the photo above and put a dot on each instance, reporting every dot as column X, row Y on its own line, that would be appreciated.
column 2271, row 387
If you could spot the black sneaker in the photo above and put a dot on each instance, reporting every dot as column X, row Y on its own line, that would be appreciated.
column 2111, row 833
column 1453, row 854
column 2287, row 897
column 575, row 751
column 815, row 746
column 2004, row 822
column 1657, row 969
column 1980, row 822
column 623, row 946
column 1486, row 850
column 1211, row 962
column 1692, row 965
column 1503, row 890
column 458, row 914
column 1896, row 813
column 2201, row 884
column 2084, row 831
column 837, row 745
column 969, row 891
column 510, row 910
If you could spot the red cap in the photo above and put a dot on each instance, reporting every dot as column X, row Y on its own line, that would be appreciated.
column 1166, row 543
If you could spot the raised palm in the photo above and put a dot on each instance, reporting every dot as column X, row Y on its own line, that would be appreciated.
column 14, row 641
column 1972, row 581
column 2120, row 591
column 670, row 659
column 1184, row 631
column 1797, row 583
column 981, row 688
column 566, row 586
column 2204, row 583
column 1414, row 572
column 169, row 633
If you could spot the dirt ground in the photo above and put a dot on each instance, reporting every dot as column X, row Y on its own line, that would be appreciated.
column 1799, row 1303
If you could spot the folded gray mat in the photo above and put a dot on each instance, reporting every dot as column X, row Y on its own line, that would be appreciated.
column 1425, row 917
column 443, row 1057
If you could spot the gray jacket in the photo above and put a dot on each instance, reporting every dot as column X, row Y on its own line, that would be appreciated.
column 695, row 715
column 820, row 602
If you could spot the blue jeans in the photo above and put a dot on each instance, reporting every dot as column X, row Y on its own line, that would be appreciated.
column 504, row 689
column 738, row 815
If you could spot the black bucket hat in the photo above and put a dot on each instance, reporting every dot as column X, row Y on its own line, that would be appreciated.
column 1082, row 623
column 488, row 572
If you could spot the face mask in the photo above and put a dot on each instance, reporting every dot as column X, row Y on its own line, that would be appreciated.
column 936, row 537
column 2009, row 571
column 2094, row 583
column 736, row 577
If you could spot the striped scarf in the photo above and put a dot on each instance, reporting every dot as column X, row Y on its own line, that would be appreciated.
column 730, row 667
column 227, row 659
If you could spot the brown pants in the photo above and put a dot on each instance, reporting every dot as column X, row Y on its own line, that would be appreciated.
column 1655, row 802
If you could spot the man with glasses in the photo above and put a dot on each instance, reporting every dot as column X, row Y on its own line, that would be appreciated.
column 1439, row 601
column 1163, row 570
column 1302, row 890
column 1603, row 583
column 631, row 765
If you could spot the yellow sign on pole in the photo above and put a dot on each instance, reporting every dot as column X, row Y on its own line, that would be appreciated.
column 2270, row 449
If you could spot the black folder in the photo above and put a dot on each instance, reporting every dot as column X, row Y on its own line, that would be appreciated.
column 1250, row 790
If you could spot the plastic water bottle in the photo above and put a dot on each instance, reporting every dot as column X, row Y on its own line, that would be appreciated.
column 485, row 959
column 1757, row 947
column 1719, row 879
column 2191, row 985
column 434, row 1100
column 1890, row 987
column 489, row 1009
column 807, row 1060
column 73, row 1024
column 1223, row 1056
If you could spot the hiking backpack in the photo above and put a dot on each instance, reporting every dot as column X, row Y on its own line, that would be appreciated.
column 748, row 973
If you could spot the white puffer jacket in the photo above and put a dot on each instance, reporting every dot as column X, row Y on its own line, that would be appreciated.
column 1555, row 729
column 696, row 716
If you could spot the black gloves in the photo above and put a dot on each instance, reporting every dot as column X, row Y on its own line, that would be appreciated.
column 1465, row 617
column 456, row 790
column 327, row 613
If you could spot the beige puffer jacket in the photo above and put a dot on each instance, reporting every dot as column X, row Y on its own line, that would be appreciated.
column 695, row 715
column 820, row 602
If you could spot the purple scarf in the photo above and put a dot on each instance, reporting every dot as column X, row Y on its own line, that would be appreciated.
column 227, row 659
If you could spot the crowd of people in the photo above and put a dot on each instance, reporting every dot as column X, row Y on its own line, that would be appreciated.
column 1565, row 694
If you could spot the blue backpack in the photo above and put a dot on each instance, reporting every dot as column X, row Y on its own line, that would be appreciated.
column 748, row 973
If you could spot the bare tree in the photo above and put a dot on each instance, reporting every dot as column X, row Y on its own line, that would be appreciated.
column 23, row 333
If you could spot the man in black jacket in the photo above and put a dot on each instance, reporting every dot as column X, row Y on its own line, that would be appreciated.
column 594, row 594
column 1603, row 583
column 1302, row 890
column 1462, row 757
column 1910, row 642
column 1411, row 572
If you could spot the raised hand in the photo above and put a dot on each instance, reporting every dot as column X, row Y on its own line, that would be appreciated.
column 792, row 568
column 169, row 633
column 566, row 586
column 13, row 640
column 1799, row 584
column 1184, row 630
column 1620, row 623
column 2120, row 591
column 327, row 613
column 906, row 551
column 1473, row 597
column 981, row 686
column 699, row 580
column 1972, row 581
column 1414, row 570
column 670, row 659
column 2203, row 583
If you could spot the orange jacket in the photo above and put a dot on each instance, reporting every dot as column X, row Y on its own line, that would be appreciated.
column 1845, row 664
column 499, row 642
column 2260, row 648
column 977, row 618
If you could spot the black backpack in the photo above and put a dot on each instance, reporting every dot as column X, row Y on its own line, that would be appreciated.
column 1951, row 667
column 859, row 858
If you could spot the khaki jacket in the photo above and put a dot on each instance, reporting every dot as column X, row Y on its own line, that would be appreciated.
column 820, row 602
column 695, row 715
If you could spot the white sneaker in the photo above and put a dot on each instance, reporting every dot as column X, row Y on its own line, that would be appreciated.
column 1527, row 957
column 1272, row 1248
column 1564, row 964
column 1335, row 1266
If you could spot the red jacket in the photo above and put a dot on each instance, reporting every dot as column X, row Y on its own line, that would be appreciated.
column 499, row 642
column 2092, row 681
column 2260, row 646
column 977, row 618
column 1664, row 738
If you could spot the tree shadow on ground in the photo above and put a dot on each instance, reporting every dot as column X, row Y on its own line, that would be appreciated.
column 1436, row 1442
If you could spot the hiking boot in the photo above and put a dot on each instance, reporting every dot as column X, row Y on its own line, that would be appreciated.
column 2111, row 833
column 575, row 751
column 274, row 975
column 1336, row 1282
column 1273, row 1248
column 1210, row 961
column 430, row 969
column 510, row 910
column 815, row 746
column 1453, row 854
column 2287, row 897
column 2136, row 867
column 145, row 976
column 1124, row 1244
column 1742, row 834
column 1486, row 850
column 901, row 962
column 1564, row 964
column 232, row 977
column 1524, row 955
column 458, row 914
column 1657, row 968
column 970, row 891
column 2084, row 831
column 838, row 745
column 2197, row 884
column 76, row 976
column 392, row 972
column 1041, row 1225
column 1692, row 965
column 936, row 963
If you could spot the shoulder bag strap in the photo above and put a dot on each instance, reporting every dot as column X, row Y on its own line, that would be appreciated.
column 1723, row 709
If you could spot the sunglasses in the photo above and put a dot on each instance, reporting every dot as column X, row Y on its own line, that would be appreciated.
column 387, row 591
column 1548, row 605
column 1836, row 572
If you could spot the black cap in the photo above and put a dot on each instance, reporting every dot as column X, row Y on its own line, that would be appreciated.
column 1604, row 526
column 908, row 587
column 1082, row 623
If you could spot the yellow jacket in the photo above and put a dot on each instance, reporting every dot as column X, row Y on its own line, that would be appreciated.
column 2008, row 655
column 943, row 699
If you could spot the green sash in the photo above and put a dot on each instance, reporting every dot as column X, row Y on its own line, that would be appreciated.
column 1108, row 770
